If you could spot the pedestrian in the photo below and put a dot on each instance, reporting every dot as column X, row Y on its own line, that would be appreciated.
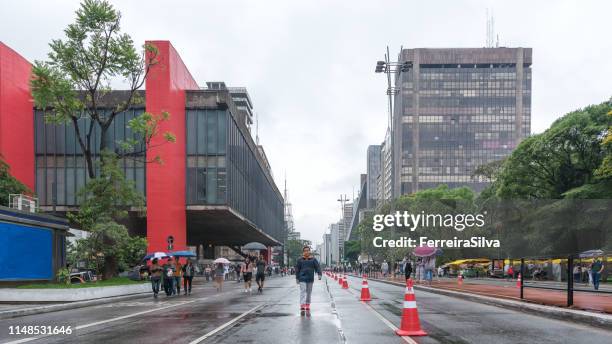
column 576, row 273
column 219, row 276
column 155, row 271
column 168, row 275
column 260, row 277
column 407, row 269
column 238, row 272
column 385, row 268
column 247, row 274
column 188, row 273
column 511, row 272
column 305, row 269
column 596, row 270
column 207, row 272
column 178, row 275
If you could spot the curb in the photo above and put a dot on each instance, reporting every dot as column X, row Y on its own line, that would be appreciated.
column 584, row 317
column 70, row 305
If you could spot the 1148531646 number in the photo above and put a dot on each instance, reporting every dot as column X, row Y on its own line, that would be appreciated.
column 33, row 330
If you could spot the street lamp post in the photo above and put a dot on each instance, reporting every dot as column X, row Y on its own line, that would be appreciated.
column 396, row 68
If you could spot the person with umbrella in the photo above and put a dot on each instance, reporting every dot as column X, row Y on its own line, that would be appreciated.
column 178, row 269
column 155, row 272
column 168, row 274
column 219, row 272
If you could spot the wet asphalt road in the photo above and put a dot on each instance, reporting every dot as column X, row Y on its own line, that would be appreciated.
column 273, row 317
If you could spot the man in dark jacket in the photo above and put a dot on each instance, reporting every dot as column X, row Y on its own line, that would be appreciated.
column 407, row 269
column 305, row 269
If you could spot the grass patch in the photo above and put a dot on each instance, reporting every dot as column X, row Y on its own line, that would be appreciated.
column 105, row 283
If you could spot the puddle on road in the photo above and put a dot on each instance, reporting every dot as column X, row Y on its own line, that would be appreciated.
column 274, row 315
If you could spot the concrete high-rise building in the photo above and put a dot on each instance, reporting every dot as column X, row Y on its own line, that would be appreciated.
column 326, row 249
column 373, row 170
column 334, row 232
column 457, row 109
column 384, row 178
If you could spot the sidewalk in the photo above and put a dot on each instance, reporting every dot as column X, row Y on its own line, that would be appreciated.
column 588, row 301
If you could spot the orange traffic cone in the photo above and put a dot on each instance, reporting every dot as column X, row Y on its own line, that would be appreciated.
column 410, row 325
column 518, row 281
column 345, row 282
column 460, row 280
column 365, row 290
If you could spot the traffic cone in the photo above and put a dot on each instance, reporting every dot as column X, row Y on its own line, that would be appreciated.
column 460, row 280
column 345, row 282
column 365, row 290
column 518, row 281
column 410, row 325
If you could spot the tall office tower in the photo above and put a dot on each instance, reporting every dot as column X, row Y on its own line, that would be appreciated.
column 457, row 109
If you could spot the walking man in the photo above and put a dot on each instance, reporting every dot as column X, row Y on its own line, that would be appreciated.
column 188, row 272
column 177, row 276
column 596, row 270
column 261, row 274
column 305, row 269
column 155, row 272
column 407, row 269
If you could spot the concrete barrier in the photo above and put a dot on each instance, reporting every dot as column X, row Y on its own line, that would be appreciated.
column 14, row 295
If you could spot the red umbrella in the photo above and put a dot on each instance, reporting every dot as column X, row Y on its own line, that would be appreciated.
column 424, row 251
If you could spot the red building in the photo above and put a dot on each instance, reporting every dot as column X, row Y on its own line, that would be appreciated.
column 214, row 188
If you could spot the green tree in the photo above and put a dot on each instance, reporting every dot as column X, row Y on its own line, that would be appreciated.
column 566, row 156
column 294, row 250
column 103, row 201
column 352, row 249
column 9, row 184
column 72, row 85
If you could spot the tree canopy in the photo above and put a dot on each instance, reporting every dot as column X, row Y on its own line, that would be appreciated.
column 9, row 184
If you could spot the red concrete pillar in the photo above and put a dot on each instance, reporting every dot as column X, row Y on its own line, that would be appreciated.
column 16, row 116
column 165, row 91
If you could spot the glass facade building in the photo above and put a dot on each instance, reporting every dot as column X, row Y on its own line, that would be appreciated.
column 60, row 165
column 224, row 165
column 458, row 109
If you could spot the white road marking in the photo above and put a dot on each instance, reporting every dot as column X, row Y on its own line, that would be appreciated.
column 385, row 320
column 226, row 325
column 29, row 339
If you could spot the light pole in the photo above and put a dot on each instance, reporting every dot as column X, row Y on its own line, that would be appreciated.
column 396, row 68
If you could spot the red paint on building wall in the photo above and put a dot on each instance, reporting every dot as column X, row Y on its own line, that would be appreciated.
column 16, row 115
column 165, row 91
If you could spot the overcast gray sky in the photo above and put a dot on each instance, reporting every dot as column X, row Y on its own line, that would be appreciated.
column 309, row 67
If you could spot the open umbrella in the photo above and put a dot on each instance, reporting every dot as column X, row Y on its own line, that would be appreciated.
column 591, row 254
column 424, row 251
column 182, row 254
column 154, row 255
column 221, row 260
column 254, row 246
